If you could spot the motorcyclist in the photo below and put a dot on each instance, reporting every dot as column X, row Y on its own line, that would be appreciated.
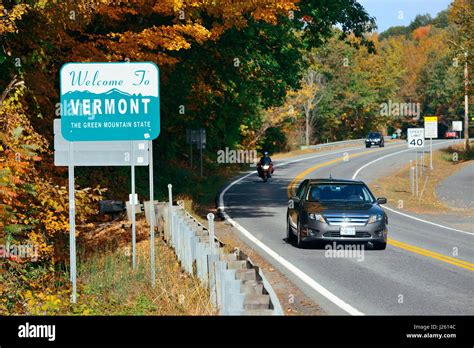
column 264, row 160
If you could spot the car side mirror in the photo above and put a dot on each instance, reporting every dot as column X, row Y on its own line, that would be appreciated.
column 382, row 200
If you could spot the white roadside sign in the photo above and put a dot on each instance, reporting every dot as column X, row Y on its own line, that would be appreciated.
column 416, row 138
column 457, row 126
column 99, row 153
column 431, row 127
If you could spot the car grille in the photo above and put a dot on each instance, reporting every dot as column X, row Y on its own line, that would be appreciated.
column 351, row 220
column 337, row 234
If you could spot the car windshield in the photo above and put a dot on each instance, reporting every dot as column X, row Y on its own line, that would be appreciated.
column 334, row 193
column 373, row 135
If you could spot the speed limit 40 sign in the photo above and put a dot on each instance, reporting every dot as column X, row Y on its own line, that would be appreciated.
column 416, row 138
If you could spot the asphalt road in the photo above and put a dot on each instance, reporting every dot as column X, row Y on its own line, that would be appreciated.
column 458, row 189
column 435, row 280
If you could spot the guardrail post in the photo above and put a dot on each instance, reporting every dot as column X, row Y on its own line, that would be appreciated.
column 205, row 265
column 212, row 272
column 214, row 278
column 220, row 283
column 180, row 238
column 170, row 208
column 170, row 227
column 212, row 240
column 189, row 248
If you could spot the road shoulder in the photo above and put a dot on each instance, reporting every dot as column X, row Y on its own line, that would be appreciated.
column 292, row 299
column 428, row 205
column 457, row 190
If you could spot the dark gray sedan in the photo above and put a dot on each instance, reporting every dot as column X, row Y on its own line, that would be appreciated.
column 332, row 210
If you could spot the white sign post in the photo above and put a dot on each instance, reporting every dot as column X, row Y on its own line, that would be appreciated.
column 152, row 218
column 416, row 140
column 134, row 206
column 431, row 131
column 72, row 224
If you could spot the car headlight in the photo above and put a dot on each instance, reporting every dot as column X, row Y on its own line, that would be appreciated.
column 266, row 166
column 316, row 217
column 375, row 218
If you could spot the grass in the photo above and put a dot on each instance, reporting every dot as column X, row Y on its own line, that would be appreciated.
column 111, row 287
column 396, row 187
column 107, row 284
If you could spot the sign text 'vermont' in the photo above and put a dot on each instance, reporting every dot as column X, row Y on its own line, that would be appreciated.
column 110, row 101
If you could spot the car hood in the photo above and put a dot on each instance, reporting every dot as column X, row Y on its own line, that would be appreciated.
column 338, row 208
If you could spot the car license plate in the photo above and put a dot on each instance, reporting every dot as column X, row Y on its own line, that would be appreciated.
column 348, row 231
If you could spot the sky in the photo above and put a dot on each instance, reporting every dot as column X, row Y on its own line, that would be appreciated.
column 389, row 13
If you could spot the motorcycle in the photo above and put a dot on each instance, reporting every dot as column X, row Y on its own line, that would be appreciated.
column 265, row 171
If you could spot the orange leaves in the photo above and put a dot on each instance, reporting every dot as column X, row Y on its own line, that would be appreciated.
column 196, row 31
column 233, row 13
column 421, row 32
column 268, row 11
column 170, row 38
column 9, row 17
column 183, row 28
column 152, row 43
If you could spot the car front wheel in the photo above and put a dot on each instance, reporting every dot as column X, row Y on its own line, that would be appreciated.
column 299, row 241
column 290, row 237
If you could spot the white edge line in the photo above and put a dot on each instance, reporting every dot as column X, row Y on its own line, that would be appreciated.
column 378, row 159
column 295, row 270
column 403, row 214
column 281, row 260
column 429, row 222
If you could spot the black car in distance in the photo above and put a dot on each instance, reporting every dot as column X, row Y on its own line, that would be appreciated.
column 374, row 139
column 335, row 210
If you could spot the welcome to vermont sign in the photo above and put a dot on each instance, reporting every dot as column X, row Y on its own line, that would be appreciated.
column 110, row 101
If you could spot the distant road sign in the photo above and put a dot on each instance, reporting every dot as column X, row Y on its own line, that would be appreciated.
column 110, row 101
column 457, row 126
column 416, row 137
column 98, row 153
column 202, row 138
column 431, row 127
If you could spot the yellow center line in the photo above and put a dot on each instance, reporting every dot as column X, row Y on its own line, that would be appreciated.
column 300, row 176
column 408, row 247
column 432, row 254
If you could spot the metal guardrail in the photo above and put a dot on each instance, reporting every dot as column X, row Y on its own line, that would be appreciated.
column 237, row 286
